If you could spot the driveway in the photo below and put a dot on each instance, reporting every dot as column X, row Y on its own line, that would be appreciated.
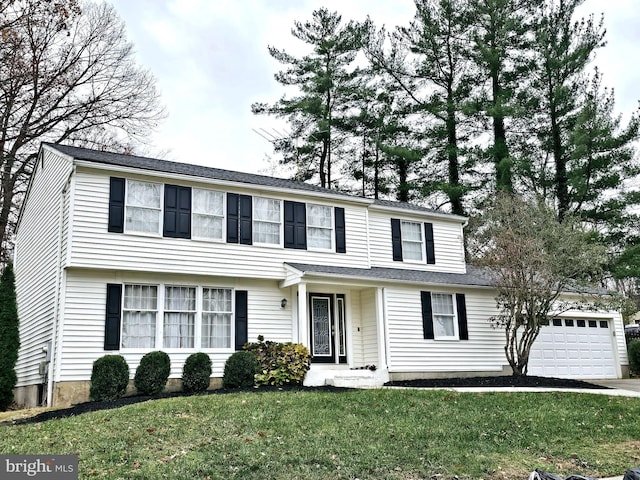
column 628, row 384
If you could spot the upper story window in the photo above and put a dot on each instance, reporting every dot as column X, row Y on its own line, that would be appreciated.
column 267, row 219
column 207, row 214
column 412, row 241
column 412, row 244
column 319, row 226
column 143, row 207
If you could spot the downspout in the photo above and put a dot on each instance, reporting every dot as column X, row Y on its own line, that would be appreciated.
column 56, row 305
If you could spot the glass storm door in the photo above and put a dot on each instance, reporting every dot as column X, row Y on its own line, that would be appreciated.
column 328, row 333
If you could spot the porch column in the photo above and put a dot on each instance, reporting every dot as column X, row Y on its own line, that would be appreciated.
column 303, row 328
column 381, row 318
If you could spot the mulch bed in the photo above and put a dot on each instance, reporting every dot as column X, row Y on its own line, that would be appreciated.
column 504, row 381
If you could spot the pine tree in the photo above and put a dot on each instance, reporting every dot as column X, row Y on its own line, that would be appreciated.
column 9, row 336
column 324, row 79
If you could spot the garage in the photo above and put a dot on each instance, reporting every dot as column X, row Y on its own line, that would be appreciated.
column 574, row 348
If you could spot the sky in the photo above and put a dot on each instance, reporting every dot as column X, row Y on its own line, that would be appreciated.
column 211, row 62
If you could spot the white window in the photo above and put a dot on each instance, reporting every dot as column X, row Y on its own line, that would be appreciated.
column 444, row 325
column 412, row 241
column 267, row 220
column 216, row 318
column 139, row 316
column 179, row 317
column 319, row 226
column 143, row 207
column 207, row 214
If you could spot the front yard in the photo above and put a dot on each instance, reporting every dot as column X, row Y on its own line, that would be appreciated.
column 370, row 434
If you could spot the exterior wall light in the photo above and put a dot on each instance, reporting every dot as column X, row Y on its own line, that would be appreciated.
column 283, row 303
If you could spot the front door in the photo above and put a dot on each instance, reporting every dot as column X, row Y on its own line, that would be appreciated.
column 328, row 328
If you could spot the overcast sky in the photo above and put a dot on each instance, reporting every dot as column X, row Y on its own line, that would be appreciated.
column 211, row 61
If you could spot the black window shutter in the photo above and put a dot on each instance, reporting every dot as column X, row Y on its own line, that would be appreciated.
column 233, row 208
column 241, row 319
column 341, row 237
column 428, row 240
column 461, row 305
column 177, row 211
column 396, row 240
column 295, row 225
column 113, row 316
column 427, row 315
column 116, row 205
column 246, row 237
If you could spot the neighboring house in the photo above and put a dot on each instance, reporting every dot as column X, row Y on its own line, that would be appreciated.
column 123, row 254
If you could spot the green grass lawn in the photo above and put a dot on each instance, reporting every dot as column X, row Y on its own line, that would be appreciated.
column 369, row 434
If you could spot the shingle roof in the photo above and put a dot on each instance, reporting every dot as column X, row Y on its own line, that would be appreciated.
column 473, row 277
column 154, row 164
column 408, row 206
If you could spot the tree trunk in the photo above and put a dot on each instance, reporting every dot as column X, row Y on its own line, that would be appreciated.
column 455, row 196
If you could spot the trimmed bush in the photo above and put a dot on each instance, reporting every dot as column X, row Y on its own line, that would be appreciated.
column 152, row 373
column 240, row 370
column 280, row 363
column 633, row 350
column 196, row 372
column 109, row 378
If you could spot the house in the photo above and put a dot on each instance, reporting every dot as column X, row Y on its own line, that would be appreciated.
column 123, row 254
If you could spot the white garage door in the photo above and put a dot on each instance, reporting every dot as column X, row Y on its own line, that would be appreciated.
column 574, row 348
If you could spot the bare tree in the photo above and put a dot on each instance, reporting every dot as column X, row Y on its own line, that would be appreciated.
column 67, row 74
column 537, row 265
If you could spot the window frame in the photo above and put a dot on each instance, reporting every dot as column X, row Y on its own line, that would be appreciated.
column 404, row 240
column 223, row 216
column 158, row 342
column 254, row 221
column 159, row 210
column 454, row 317
column 231, row 313
column 166, row 310
column 331, row 228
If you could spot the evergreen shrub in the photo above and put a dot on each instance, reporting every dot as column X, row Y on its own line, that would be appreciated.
column 152, row 373
column 196, row 372
column 109, row 378
column 239, row 370
column 633, row 351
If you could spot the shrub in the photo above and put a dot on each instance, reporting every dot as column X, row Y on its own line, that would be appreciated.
column 196, row 372
column 152, row 373
column 9, row 336
column 280, row 363
column 239, row 370
column 109, row 378
column 633, row 350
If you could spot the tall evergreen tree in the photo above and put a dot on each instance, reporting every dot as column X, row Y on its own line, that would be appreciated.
column 324, row 79
column 501, row 31
column 9, row 336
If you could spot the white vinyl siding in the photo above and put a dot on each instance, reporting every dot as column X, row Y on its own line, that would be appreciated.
column 369, row 327
column 178, row 255
column 84, row 319
column 267, row 220
column 207, row 214
column 40, row 243
column 143, row 207
column 410, row 352
column 447, row 237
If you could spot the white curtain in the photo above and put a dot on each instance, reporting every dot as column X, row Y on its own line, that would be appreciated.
column 319, row 226
column 266, row 220
column 208, row 214
column 216, row 318
column 143, row 207
column 443, row 315
column 139, row 316
column 179, row 317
